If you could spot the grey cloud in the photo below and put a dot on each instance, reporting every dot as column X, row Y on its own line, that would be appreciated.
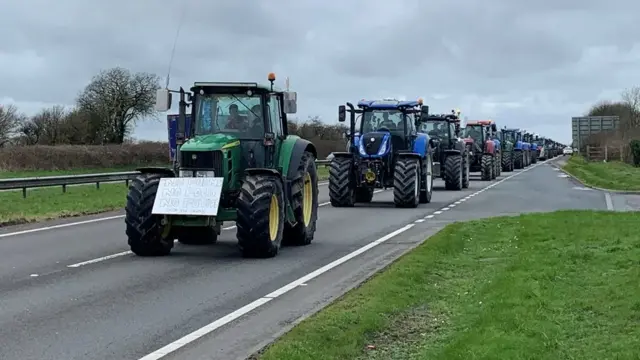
column 517, row 62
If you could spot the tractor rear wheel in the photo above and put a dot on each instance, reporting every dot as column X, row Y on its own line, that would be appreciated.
column 466, row 176
column 341, row 189
column 364, row 194
column 197, row 235
column 406, row 183
column 147, row 236
column 261, row 216
column 486, row 167
column 534, row 156
column 304, row 202
column 427, row 179
column 453, row 172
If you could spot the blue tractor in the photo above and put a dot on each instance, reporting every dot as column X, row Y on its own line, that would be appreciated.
column 520, row 147
column 384, row 151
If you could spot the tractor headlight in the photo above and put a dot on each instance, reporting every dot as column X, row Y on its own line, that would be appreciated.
column 186, row 173
column 198, row 173
column 383, row 147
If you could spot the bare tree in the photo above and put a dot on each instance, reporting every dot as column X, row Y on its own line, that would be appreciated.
column 117, row 99
column 10, row 120
column 631, row 97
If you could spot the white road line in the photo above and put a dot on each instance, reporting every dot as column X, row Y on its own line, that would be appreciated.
column 419, row 220
column 185, row 340
column 429, row 216
column 437, row 212
column 607, row 199
column 61, row 226
column 445, row 209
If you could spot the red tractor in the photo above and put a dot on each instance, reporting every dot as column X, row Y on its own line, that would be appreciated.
column 483, row 148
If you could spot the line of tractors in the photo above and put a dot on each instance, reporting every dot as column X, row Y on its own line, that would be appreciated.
column 236, row 162
column 401, row 145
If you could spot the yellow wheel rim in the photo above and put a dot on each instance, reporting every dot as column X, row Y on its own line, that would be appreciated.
column 274, row 218
column 307, row 199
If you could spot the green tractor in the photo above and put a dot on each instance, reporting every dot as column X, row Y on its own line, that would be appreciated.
column 237, row 163
column 508, row 157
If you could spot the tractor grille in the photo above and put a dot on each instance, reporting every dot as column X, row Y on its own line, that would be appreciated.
column 203, row 160
column 372, row 147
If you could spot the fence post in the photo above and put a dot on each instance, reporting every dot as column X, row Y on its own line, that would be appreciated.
column 606, row 153
column 588, row 152
column 622, row 153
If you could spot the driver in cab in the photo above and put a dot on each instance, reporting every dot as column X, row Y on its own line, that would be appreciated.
column 235, row 121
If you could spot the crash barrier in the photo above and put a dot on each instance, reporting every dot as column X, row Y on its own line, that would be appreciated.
column 82, row 179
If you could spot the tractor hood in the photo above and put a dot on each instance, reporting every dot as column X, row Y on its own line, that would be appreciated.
column 209, row 142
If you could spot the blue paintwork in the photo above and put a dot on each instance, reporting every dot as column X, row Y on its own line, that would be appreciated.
column 356, row 140
column 420, row 144
column 526, row 146
column 383, row 150
column 497, row 143
column 386, row 104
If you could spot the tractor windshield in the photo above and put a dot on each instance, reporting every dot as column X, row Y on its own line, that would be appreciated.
column 510, row 136
column 435, row 128
column 474, row 131
column 374, row 120
column 239, row 115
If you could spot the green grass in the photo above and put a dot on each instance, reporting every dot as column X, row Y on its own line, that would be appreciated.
column 561, row 285
column 610, row 175
column 52, row 203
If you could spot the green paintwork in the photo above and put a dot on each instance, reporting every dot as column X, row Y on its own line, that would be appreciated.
column 286, row 150
column 208, row 142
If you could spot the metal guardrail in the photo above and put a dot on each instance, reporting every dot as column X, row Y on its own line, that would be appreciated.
column 82, row 179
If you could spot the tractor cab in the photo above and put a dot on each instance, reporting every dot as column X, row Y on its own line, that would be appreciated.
column 478, row 133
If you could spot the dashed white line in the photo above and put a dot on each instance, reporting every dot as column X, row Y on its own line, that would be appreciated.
column 437, row 212
column 445, row 209
column 185, row 340
column 419, row 220
column 429, row 216
column 607, row 199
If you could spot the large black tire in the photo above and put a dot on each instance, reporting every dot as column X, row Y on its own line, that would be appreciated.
column 341, row 189
column 507, row 161
column 498, row 164
column 364, row 194
column 518, row 161
column 260, row 206
column 197, row 235
column 453, row 174
column 426, row 189
column 534, row 156
column 406, row 183
column 486, row 167
column 145, row 232
column 466, row 171
column 307, row 181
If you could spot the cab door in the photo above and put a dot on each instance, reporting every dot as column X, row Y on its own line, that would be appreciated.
column 274, row 111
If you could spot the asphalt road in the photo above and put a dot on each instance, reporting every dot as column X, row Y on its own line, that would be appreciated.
column 74, row 292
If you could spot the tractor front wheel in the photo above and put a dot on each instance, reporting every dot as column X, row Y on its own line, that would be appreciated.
column 466, row 170
column 341, row 191
column 507, row 161
column 518, row 162
column 304, row 202
column 147, row 235
column 406, row 183
column 427, row 179
column 498, row 162
column 453, row 172
column 261, row 216
column 486, row 167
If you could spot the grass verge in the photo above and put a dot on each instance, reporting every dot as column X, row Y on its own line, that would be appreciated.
column 551, row 286
column 52, row 203
column 610, row 175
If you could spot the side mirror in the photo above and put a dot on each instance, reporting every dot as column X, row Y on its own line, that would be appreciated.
column 494, row 127
column 163, row 100
column 290, row 102
column 342, row 113
column 424, row 111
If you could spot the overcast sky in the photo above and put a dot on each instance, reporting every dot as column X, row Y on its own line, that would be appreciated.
column 531, row 64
